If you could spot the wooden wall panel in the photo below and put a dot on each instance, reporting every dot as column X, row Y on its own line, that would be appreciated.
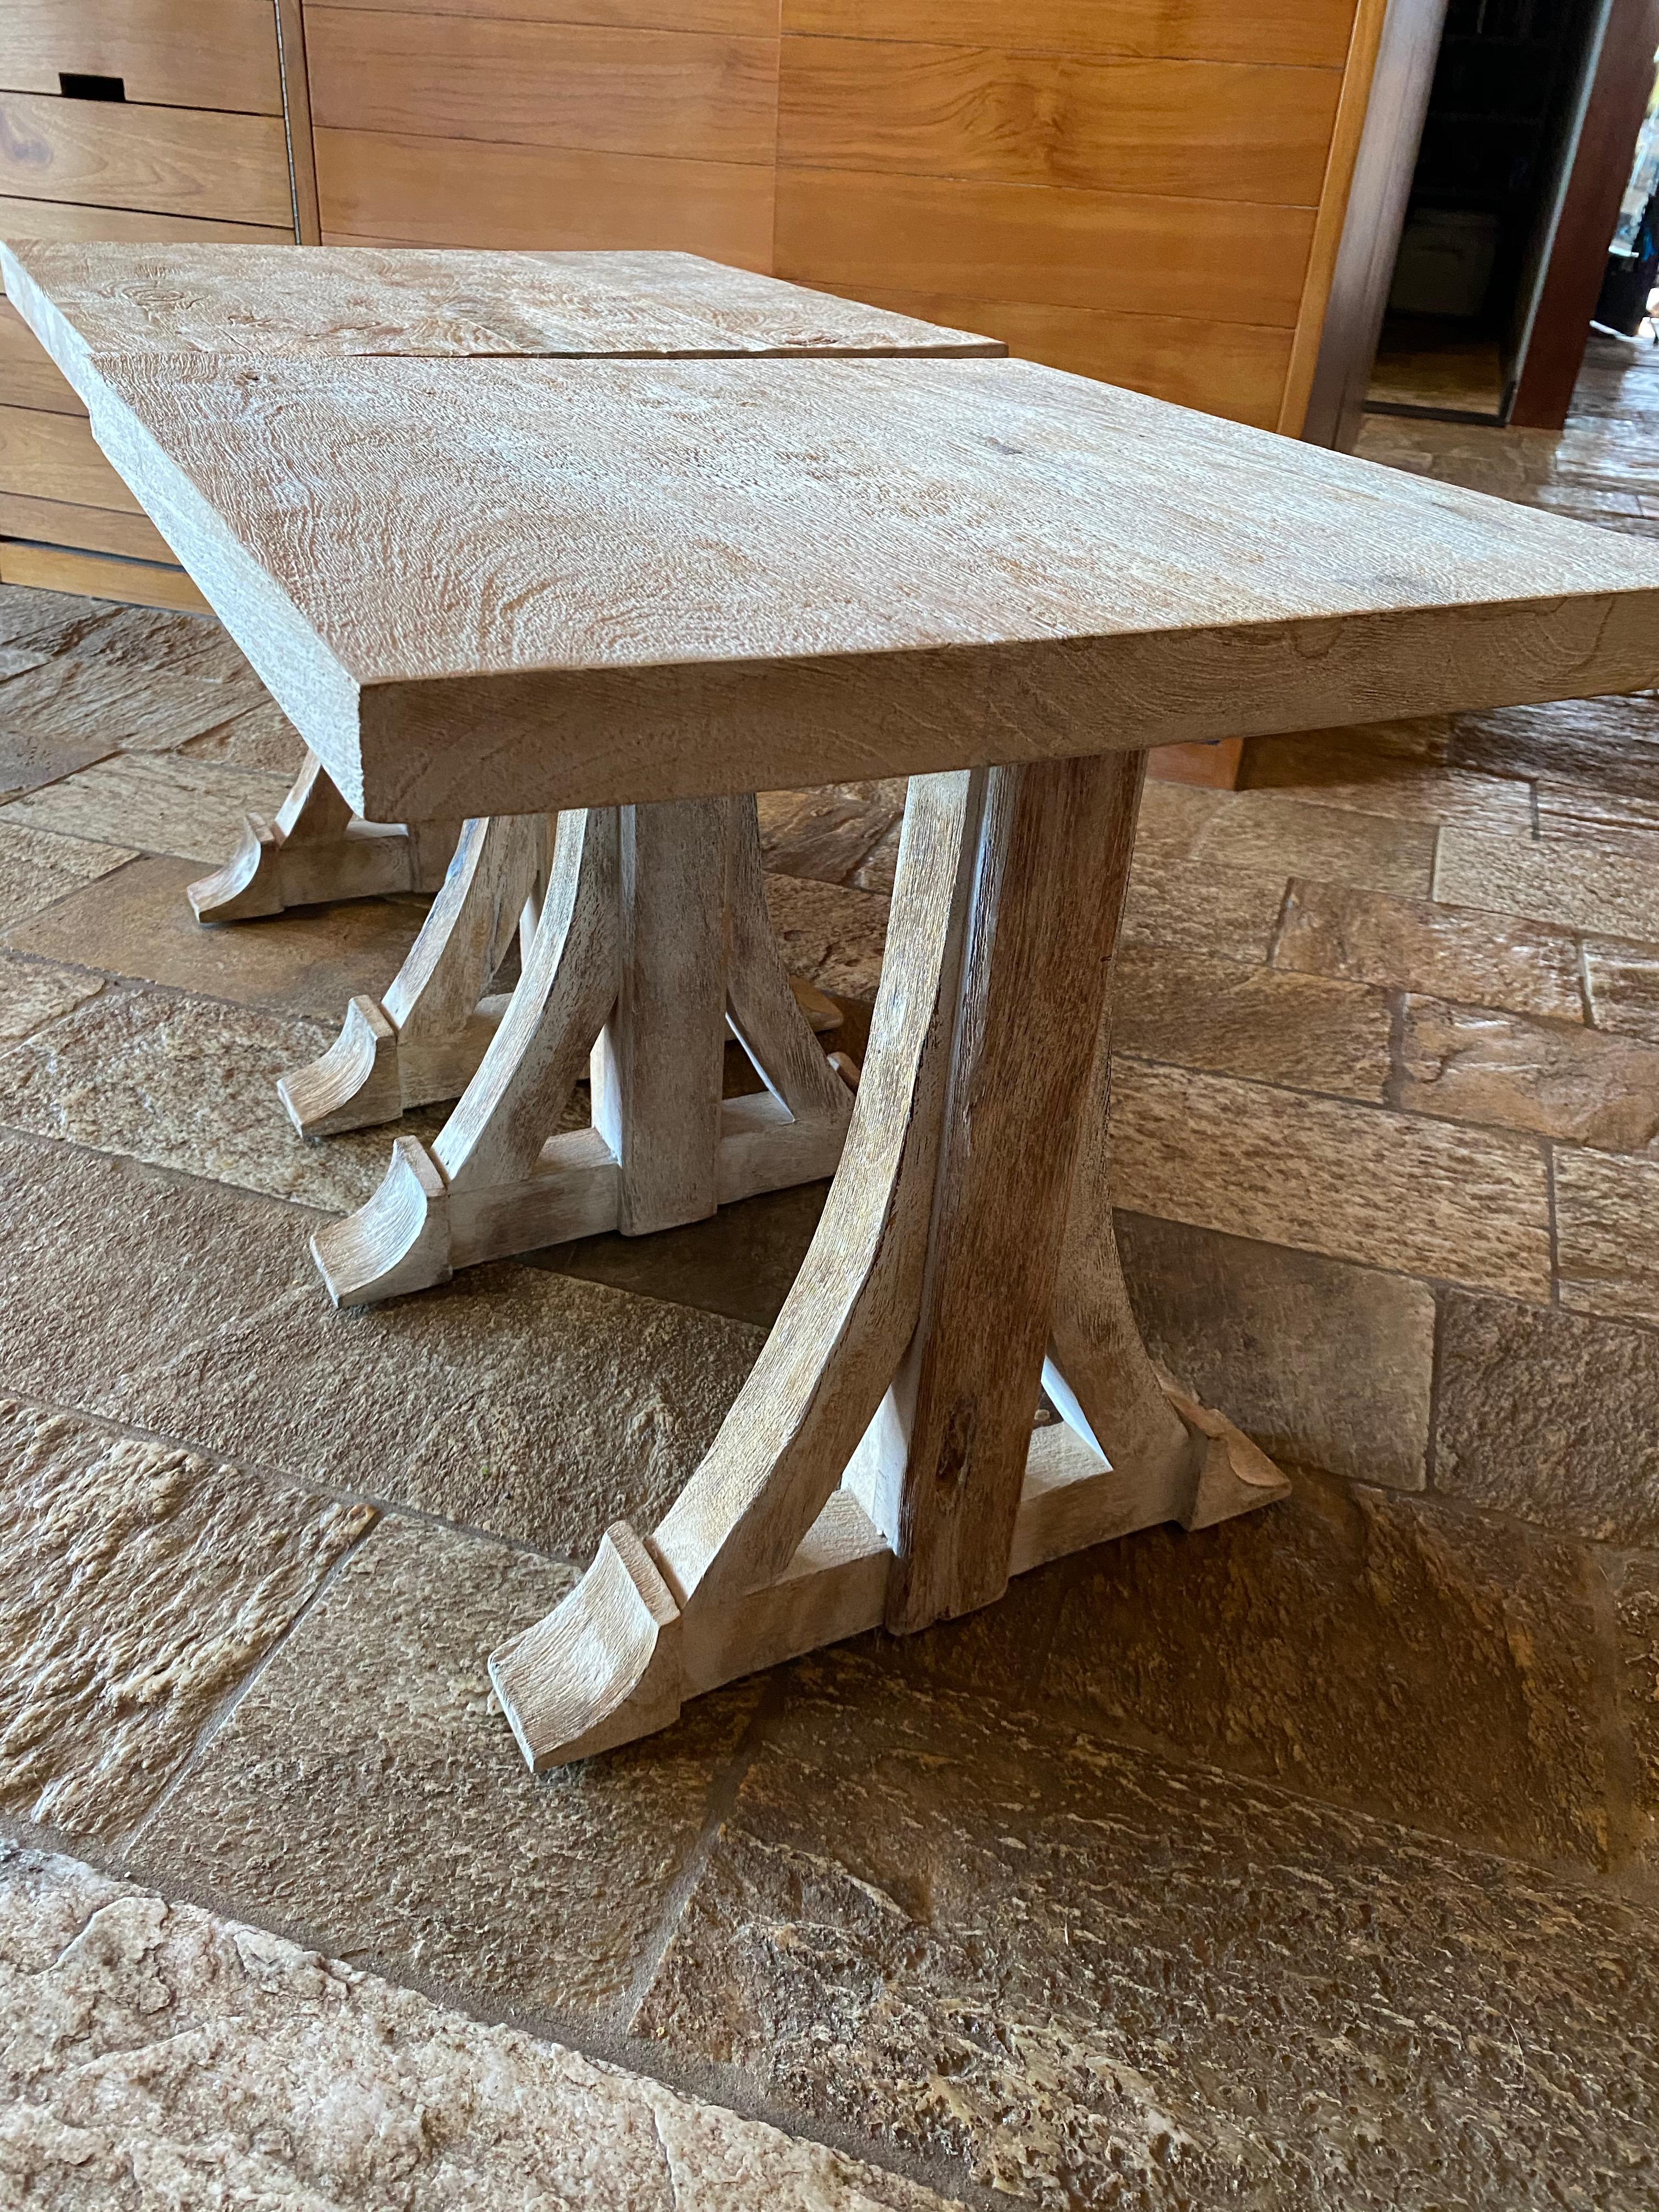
column 1128, row 253
column 180, row 53
column 1197, row 130
column 439, row 191
column 139, row 583
column 1235, row 370
column 66, row 220
column 43, row 456
column 1313, row 32
column 683, row 95
column 95, row 529
column 27, row 375
column 175, row 160
column 753, row 19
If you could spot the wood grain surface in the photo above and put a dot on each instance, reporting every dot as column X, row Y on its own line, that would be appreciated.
column 66, row 220
column 1314, row 31
column 50, row 455
column 687, row 95
column 28, row 376
column 179, row 53
column 346, row 300
column 1130, row 253
column 175, row 160
column 1227, row 130
column 467, row 191
column 679, row 579
column 93, row 529
column 752, row 18
column 138, row 583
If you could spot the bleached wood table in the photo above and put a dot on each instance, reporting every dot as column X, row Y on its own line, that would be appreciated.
column 721, row 576
column 423, row 1040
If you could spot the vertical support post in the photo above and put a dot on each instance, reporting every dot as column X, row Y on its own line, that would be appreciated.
column 658, row 1068
column 1048, row 897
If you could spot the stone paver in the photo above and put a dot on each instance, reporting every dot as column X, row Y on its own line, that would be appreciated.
column 156, row 2054
column 1202, row 1011
column 1396, row 1655
column 1484, row 1064
column 1606, row 1215
column 1094, row 1976
column 831, row 934
column 1321, row 1361
column 140, row 925
column 408, row 1831
column 1639, row 1669
column 1352, row 1181
column 1587, row 875
column 1549, row 1415
column 262, row 739
column 138, row 1587
column 520, row 1401
column 35, row 992
column 1353, row 771
column 1412, row 944
column 37, row 867
column 1196, row 906
column 1623, row 981
column 832, row 832
column 192, row 1084
column 1259, row 829
column 161, row 802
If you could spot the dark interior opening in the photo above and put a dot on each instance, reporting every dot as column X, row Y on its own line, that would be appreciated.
column 75, row 85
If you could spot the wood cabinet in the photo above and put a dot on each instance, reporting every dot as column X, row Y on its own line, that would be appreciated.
column 142, row 120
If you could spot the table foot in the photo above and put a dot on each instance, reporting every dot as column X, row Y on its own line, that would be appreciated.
column 879, row 1463
column 650, row 943
column 316, row 851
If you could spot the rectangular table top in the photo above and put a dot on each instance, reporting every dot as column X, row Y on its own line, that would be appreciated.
column 486, row 585
column 266, row 300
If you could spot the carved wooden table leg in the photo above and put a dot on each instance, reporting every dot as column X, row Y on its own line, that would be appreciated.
column 652, row 938
column 317, row 850
column 880, row 1463
column 424, row 1040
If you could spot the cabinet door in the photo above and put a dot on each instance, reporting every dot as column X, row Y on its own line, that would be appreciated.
column 174, row 53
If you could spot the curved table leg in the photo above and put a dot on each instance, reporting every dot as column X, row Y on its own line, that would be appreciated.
column 652, row 937
column 879, row 1462
column 317, row 850
column 424, row 1041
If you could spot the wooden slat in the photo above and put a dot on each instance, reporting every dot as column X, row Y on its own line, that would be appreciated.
column 1199, row 130
column 180, row 53
column 1314, row 31
column 27, row 378
column 91, row 529
column 684, row 96
column 138, row 583
column 1128, row 252
column 1235, row 369
column 45, row 456
column 177, row 160
column 457, row 191
column 67, row 219
column 735, row 18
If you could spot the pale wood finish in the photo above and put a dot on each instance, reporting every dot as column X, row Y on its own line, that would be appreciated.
column 139, row 583
column 45, row 455
column 988, row 559
column 645, row 929
column 762, row 1555
column 1314, row 32
column 179, row 53
column 407, row 301
column 93, row 529
column 315, row 849
column 1225, row 130
column 172, row 160
column 1056, row 839
column 683, row 95
column 459, row 191
column 27, row 376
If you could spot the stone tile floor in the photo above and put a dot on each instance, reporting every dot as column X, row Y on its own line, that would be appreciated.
column 1311, row 1861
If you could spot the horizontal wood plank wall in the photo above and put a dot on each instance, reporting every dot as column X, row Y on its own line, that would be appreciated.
column 172, row 160
column 47, row 456
column 598, row 123
column 1129, row 192
column 100, row 575
column 77, row 225
column 28, row 376
column 95, row 529
column 175, row 53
